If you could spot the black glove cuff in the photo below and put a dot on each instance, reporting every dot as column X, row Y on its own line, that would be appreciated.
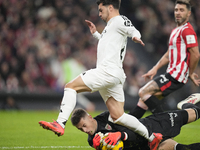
column 123, row 136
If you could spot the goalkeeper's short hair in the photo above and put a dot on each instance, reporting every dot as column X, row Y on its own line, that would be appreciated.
column 77, row 115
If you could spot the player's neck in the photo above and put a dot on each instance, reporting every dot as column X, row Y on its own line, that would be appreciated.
column 178, row 25
column 112, row 15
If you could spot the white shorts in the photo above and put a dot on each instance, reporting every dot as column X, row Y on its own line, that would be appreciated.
column 107, row 85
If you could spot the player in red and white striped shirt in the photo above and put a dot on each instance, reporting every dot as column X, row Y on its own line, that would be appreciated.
column 182, row 58
column 183, row 41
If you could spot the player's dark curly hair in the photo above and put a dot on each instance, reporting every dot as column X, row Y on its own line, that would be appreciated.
column 185, row 2
column 77, row 115
column 115, row 3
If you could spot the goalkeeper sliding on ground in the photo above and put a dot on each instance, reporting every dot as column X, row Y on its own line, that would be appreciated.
column 103, row 134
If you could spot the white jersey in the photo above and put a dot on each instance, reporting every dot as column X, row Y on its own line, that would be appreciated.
column 112, row 45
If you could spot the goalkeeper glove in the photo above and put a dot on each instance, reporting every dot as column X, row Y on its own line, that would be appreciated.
column 112, row 139
column 97, row 140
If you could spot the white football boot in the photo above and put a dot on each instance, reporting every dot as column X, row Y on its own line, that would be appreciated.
column 194, row 98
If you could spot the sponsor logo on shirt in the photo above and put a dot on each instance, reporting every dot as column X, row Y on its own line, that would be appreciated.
column 190, row 39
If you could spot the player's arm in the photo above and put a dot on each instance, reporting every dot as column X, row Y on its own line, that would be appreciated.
column 126, row 27
column 90, row 140
column 136, row 36
column 93, row 29
column 190, row 39
column 162, row 62
column 194, row 59
column 138, row 40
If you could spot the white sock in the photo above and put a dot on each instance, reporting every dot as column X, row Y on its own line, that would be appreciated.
column 135, row 125
column 67, row 106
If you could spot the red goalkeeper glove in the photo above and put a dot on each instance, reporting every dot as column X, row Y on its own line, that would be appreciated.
column 112, row 139
column 97, row 140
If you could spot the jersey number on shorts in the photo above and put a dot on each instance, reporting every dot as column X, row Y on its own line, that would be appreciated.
column 164, row 79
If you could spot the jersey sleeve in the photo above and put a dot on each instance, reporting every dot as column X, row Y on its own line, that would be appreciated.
column 97, row 35
column 126, row 27
column 189, row 37
column 90, row 140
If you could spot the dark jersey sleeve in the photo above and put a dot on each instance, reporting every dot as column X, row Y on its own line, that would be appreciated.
column 90, row 138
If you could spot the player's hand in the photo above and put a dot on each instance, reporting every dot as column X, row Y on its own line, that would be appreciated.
column 137, row 40
column 111, row 140
column 150, row 74
column 91, row 26
column 194, row 78
column 97, row 140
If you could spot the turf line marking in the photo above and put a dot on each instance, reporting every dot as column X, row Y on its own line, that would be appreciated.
column 43, row 147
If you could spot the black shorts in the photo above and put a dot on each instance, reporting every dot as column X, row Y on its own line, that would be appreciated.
column 167, row 84
column 167, row 123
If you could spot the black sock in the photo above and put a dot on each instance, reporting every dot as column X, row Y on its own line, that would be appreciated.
column 196, row 108
column 194, row 146
column 153, row 104
column 138, row 112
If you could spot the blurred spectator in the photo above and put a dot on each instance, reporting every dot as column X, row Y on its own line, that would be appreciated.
column 2, row 84
column 9, row 104
column 5, row 70
column 12, row 83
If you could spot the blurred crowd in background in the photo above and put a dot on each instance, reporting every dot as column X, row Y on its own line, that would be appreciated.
column 46, row 43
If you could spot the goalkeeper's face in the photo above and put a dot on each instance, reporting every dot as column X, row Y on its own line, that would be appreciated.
column 87, row 125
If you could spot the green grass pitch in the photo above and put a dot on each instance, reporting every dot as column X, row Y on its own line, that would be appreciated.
column 20, row 130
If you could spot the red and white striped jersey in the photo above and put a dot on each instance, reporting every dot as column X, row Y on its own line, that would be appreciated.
column 180, row 40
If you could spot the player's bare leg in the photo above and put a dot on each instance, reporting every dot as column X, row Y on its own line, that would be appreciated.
column 168, row 144
column 192, row 116
column 150, row 94
column 151, row 88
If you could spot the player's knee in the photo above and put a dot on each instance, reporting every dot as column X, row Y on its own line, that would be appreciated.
column 115, row 116
column 140, row 93
column 68, row 85
column 143, row 95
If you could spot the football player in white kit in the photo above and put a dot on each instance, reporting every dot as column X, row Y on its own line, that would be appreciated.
column 108, row 77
